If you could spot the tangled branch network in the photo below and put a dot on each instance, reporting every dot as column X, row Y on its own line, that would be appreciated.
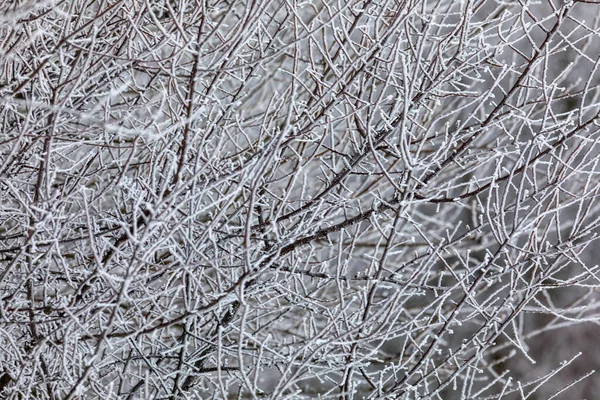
column 289, row 199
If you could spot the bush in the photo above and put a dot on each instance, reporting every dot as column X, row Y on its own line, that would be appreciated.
column 295, row 199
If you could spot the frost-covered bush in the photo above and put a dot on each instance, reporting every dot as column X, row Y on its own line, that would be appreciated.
column 374, row 199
